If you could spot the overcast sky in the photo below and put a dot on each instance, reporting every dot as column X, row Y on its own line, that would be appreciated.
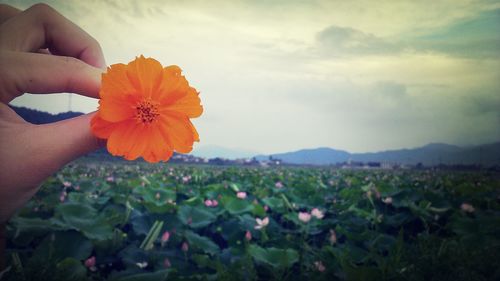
column 276, row 76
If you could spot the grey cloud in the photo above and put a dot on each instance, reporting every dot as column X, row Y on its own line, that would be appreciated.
column 390, row 89
column 476, row 37
column 483, row 103
column 345, row 41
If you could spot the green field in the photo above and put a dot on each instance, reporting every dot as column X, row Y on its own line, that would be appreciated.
column 377, row 224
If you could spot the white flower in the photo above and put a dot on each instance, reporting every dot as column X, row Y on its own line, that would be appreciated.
column 261, row 223
column 387, row 200
column 142, row 265
column 317, row 213
column 466, row 207
column 319, row 266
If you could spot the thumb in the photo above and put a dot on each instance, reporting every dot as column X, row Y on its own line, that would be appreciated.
column 66, row 140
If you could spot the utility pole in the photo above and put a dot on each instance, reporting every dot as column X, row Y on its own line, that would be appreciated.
column 69, row 102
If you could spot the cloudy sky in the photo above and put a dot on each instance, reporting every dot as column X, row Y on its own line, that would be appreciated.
column 276, row 76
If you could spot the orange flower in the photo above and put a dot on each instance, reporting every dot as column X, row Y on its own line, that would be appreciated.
column 144, row 111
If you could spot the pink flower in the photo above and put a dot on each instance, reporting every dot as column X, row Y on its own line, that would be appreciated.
column 319, row 266
column 186, row 179
column 165, row 237
column 185, row 247
column 62, row 198
column 317, row 213
column 211, row 203
column 387, row 200
column 266, row 208
column 110, row 179
column 278, row 184
column 248, row 235
column 333, row 237
column 166, row 263
column 208, row 203
column 261, row 223
column 66, row 184
column 466, row 207
column 90, row 263
column 241, row 195
column 304, row 217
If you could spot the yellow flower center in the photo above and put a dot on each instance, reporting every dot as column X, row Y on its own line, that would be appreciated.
column 147, row 111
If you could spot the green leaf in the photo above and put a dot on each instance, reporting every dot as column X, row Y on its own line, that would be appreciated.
column 275, row 204
column 202, row 243
column 277, row 258
column 26, row 229
column 71, row 269
column 71, row 244
column 236, row 206
column 85, row 219
column 149, row 276
column 195, row 217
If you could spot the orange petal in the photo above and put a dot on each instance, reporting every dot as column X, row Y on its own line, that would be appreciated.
column 179, row 131
column 159, row 149
column 100, row 127
column 122, row 138
column 188, row 104
column 115, row 110
column 173, row 86
column 115, row 83
column 146, row 75
column 196, row 137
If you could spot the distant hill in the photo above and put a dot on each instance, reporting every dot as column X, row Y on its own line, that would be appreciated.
column 431, row 154
column 40, row 117
column 213, row 151
column 317, row 156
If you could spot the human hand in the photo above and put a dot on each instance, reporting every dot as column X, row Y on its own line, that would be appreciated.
column 41, row 52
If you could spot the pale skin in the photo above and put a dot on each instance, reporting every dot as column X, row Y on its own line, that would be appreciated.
column 42, row 52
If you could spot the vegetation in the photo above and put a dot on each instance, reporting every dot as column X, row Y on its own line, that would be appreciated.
column 95, row 221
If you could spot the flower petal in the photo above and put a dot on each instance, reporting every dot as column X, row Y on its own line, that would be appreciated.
column 174, row 85
column 180, row 131
column 115, row 110
column 158, row 149
column 115, row 83
column 122, row 138
column 100, row 127
column 188, row 104
column 146, row 75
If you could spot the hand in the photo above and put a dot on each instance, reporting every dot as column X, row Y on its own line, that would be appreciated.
column 41, row 52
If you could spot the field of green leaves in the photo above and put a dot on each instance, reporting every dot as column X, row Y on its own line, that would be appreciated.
column 113, row 221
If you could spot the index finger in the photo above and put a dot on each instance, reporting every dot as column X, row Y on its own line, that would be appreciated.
column 40, row 26
column 7, row 12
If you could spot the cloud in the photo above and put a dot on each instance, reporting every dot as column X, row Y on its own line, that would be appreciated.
column 474, row 37
column 338, row 40
column 477, row 37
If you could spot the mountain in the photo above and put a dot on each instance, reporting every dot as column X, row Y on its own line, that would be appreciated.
column 318, row 156
column 40, row 117
column 431, row 154
column 213, row 151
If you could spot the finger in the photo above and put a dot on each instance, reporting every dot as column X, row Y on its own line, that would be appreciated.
column 38, row 74
column 7, row 12
column 47, row 148
column 41, row 27
column 65, row 141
